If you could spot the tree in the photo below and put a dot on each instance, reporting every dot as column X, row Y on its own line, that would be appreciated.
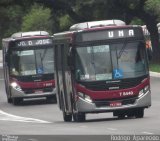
column 65, row 13
column 11, row 18
column 65, row 22
column 11, row 13
column 38, row 18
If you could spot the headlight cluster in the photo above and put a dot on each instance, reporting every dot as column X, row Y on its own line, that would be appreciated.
column 16, row 86
column 84, row 96
column 143, row 91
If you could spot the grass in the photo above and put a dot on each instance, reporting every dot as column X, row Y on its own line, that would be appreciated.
column 154, row 67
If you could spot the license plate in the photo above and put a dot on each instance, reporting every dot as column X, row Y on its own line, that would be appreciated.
column 115, row 104
column 38, row 91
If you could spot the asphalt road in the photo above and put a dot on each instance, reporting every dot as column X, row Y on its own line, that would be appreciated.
column 36, row 117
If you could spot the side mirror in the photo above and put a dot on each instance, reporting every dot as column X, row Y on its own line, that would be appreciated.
column 149, row 53
column 149, row 49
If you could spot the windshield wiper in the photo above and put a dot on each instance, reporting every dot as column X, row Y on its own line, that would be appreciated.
column 93, row 60
column 122, row 50
column 41, row 58
column 44, row 54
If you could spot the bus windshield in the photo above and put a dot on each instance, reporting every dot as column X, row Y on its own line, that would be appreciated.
column 111, row 61
column 31, row 62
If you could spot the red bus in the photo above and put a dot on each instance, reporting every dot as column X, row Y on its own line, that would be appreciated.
column 102, row 67
column 28, row 66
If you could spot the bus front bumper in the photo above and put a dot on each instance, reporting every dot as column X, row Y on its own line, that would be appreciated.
column 91, row 107
column 21, row 94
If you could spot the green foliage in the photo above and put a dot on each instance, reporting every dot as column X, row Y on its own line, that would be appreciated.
column 137, row 21
column 4, row 2
column 15, row 15
column 65, row 22
column 152, row 6
column 11, row 17
column 59, row 15
column 132, row 4
column 39, row 18
column 154, row 67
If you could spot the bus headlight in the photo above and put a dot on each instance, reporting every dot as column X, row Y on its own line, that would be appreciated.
column 16, row 86
column 87, row 98
column 84, row 96
column 143, row 91
column 146, row 88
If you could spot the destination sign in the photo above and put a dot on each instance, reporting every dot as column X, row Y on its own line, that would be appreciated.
column 33, row 42
column 111, row 34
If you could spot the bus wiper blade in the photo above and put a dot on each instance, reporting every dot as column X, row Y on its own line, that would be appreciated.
column 41, row 58
column 122, row 50
column 44, row 54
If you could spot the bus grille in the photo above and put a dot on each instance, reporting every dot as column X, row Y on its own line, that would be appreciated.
column 103, row 85
column 31, row 91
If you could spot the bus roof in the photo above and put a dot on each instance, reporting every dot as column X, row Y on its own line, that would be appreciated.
column 93, row 24
column 24, row 36
column 69, row 34
column 20, row 35
column 29, row 34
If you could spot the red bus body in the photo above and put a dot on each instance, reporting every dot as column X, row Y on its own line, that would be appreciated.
column 28, row 66
column 102, row 69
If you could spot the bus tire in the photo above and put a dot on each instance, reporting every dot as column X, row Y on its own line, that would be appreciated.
column 9, row 100
column 16, row 101
column 130, row 115
column 51, row 99
column 139, row 113
column 67, row 117
column 121, row 116
column 79, row 117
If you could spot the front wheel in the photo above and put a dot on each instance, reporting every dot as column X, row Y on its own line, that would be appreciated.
column 9, row 100
column 139, row 113
column 67, row 117
column 16, row 101
column 51, row 99
column 121, row 116
column 8, row 92
column 79, row 117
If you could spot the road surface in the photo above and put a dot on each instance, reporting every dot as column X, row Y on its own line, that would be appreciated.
column 36, row 117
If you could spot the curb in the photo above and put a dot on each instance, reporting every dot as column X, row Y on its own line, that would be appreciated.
column 154, row 74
